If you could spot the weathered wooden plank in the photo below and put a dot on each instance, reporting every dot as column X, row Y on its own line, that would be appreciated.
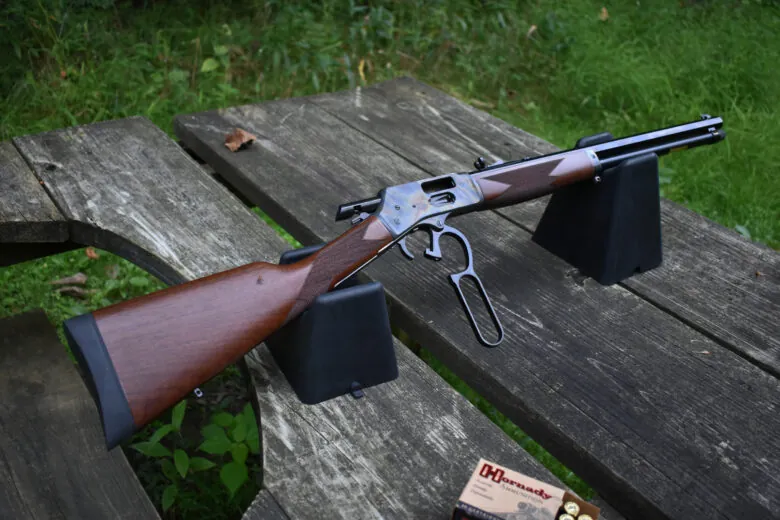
column 128, row 188
column 26, row 212
column 405, row 450
column 265, row 507
column 712, row 278
column 53, row 462
column 30, row 224
column 720, row 283
column 648, row 410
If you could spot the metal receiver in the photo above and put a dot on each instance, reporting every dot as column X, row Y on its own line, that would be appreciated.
column 425, row 206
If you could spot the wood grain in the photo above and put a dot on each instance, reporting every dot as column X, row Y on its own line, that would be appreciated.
column 265, row 507
column 163, row 345
column 513, row 183
column 628, row 396
column 406, row 450
column 338, row 259
column 26, row 212
column 53, row 461
column 126, row 187
column 30, row 224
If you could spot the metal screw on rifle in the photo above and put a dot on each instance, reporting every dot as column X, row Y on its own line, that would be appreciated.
column 706, row 116
column 360, row 218
column 198, row 393
column 480, row 164
column 597, row 179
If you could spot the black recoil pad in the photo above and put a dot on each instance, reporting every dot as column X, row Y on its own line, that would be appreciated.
column 101, row 378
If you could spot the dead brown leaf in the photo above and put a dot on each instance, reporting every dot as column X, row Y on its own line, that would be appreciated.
column 604, row 14
column 91, row 253
column 758, row 273
column 112, row 271
column 531, row 31
column 78, row 279
column 75, row 291
column 63, row 74
column 238, row 140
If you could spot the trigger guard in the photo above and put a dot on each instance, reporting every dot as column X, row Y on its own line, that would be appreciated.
column 462, row 240
column 405, row 249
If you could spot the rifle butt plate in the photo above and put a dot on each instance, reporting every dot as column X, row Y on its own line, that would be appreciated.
column 101, row 378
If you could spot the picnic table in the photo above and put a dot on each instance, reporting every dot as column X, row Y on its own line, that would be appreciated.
column 661, row 392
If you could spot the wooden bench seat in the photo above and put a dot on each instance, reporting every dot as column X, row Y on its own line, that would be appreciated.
column 408, row 447
column 661, row 402
column 30, row 224
column 53, row 461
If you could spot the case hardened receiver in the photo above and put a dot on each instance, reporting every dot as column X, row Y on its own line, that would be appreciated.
column 406, row 206
column 424, row 206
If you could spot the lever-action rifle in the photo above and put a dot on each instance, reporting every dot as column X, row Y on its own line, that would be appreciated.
column 142, row 356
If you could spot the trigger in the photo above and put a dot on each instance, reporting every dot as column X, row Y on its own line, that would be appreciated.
column 405, row 249
column 434, row 252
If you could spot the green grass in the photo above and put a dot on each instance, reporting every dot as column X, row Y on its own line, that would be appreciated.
column 649, row 64
column 27, row 286
column 555, row 69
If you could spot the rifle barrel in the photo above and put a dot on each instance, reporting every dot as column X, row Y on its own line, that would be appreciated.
column 660, row 142
column 663, row 148
column 705, row 131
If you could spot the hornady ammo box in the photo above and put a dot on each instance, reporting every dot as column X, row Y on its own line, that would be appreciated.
column 498, row 493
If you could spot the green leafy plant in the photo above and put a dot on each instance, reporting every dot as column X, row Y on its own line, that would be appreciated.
column 236, row 436
column 228, row 439
column 176, row 465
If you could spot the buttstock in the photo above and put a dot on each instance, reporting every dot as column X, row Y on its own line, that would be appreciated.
column 142, row 356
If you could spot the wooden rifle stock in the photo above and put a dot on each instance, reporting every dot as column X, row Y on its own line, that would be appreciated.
column 509, row 184
column 142, row 356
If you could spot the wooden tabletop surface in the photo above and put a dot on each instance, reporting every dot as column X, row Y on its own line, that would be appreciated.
column 661, row 392
column 53, row 461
